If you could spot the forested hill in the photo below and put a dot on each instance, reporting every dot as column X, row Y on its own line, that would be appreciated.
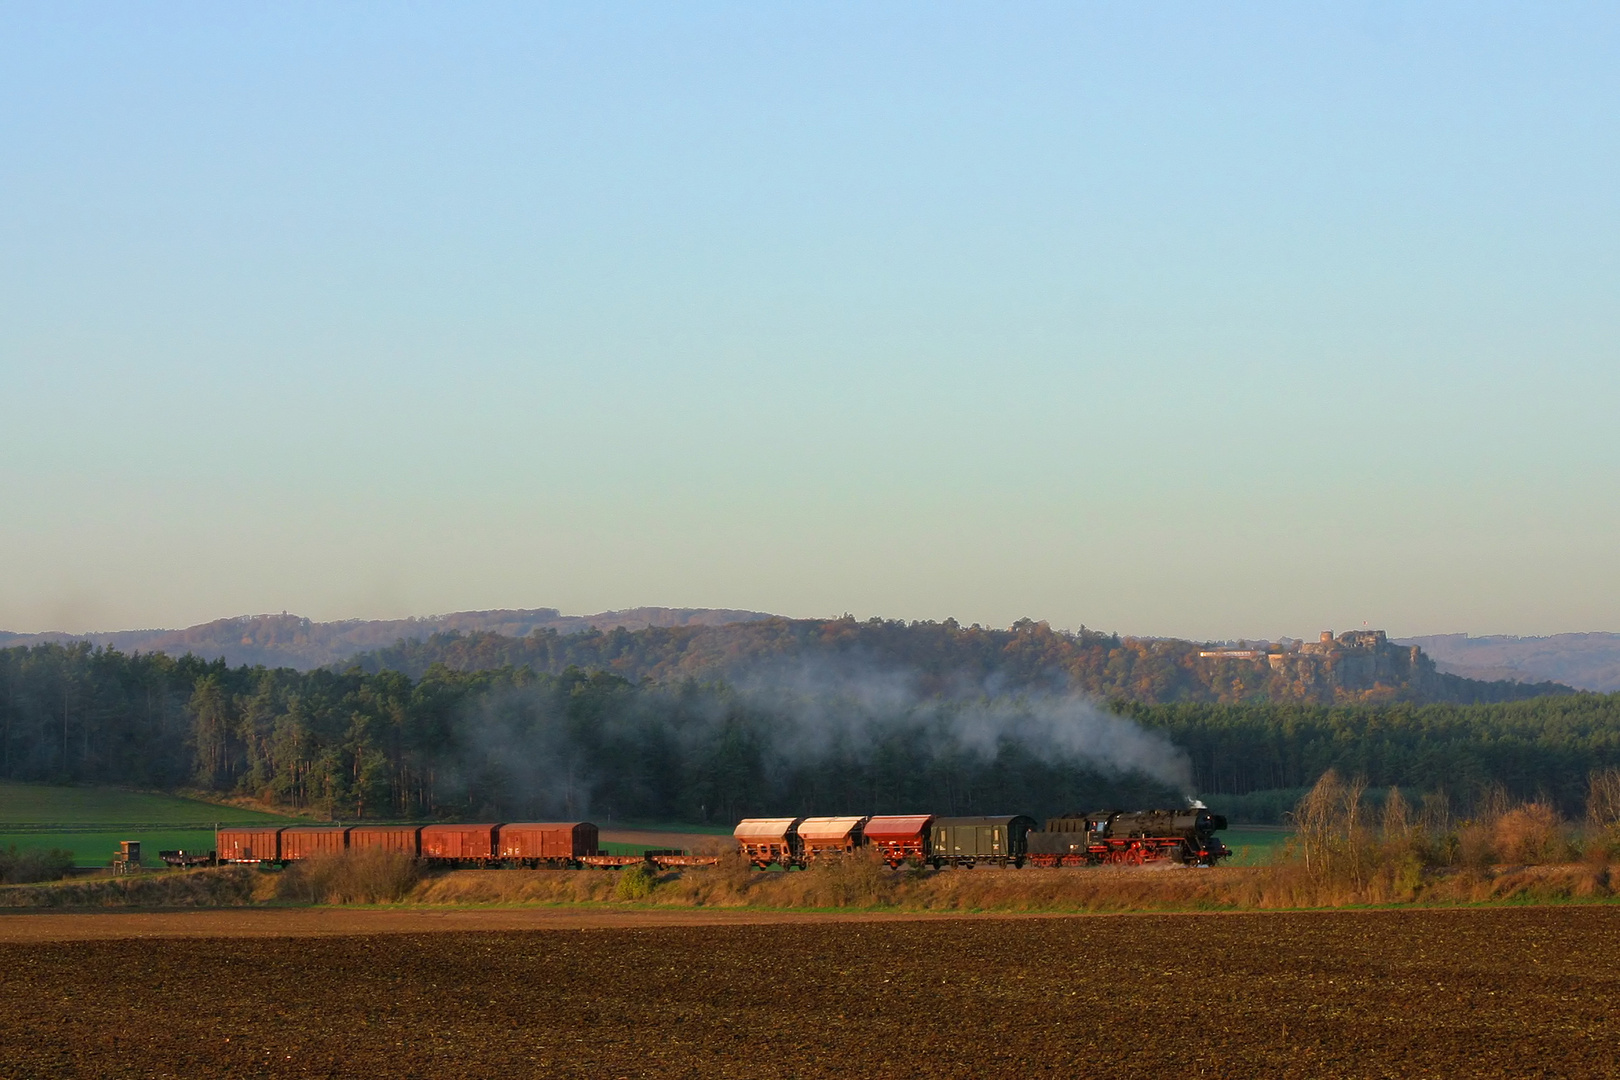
column 296, row 642
column 789, row 717
column 512, row 744
column 947, row 657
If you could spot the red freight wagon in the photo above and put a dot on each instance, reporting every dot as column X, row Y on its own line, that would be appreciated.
column 398, row 839
column 899, row 838
column 763, row 841
column 313, row 841
column 534, row 843
column 824, row 837
column 249, row 844
column 459, row 843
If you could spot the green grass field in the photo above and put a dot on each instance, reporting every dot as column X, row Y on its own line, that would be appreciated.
column 1253, row 845
column 670, row 826
column 90, row 821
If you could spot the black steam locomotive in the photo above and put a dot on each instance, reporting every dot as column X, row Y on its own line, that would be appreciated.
column 1126, row 838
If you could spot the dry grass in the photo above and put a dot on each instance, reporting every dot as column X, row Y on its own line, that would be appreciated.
column 863, row 884
column 223, row 887
column 855, row 884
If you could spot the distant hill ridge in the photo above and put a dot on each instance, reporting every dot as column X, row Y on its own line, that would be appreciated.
column 1584, row 661
column 677, row 643
column 1361, row 667
column 293, row 641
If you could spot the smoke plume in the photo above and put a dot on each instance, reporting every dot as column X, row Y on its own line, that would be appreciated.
column 805, row 737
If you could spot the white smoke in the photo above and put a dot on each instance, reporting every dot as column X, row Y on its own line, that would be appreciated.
column 822, row 706
column 519, row 750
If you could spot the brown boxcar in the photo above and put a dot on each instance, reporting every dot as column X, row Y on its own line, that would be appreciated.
column 252, row 843
column 829, row 837
column 400, row 839
column 459, row 843
column 769, row 840
column 556, row 842
column 313, row 841
column 898, row 838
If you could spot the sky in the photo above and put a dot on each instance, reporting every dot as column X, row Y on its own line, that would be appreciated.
column 1190, row 319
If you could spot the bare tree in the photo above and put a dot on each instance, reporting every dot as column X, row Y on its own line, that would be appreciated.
column 1314, row 820
column 1435, row 818
column 1397, row 817
column 1329, row 824
column 1603, row 798
column 1353, row 833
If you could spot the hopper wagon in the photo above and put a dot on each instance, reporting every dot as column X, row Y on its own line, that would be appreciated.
column 828, row 837
column 767, row 841
column 899, row 838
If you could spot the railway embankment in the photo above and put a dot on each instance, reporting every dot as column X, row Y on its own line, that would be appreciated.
column 851, row 885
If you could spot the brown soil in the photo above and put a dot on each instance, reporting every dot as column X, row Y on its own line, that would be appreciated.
column 349, row 922
column 1502, row 992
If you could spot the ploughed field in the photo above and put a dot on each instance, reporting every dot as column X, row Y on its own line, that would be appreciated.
column 1481, row 992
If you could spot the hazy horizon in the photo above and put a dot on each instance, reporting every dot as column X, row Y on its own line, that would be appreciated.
column 1188, row 321
column 1394, row 633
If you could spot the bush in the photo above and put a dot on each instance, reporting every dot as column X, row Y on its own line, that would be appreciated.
column 858, row 880
column 363, row 877
column 635, row 882
column 1532, row 834
column 1476, row 845
column 35, row 864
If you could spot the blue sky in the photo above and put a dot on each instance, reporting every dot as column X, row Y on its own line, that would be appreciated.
column 1181, row 319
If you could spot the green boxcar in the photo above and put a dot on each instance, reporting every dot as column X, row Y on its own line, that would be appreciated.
column 964, row 841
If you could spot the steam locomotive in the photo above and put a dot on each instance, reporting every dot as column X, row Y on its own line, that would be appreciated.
column 1107, row 837
column 1114, row 836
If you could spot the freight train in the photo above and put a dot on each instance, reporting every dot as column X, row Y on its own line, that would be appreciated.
column 555, row 845
column 1107, row 837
